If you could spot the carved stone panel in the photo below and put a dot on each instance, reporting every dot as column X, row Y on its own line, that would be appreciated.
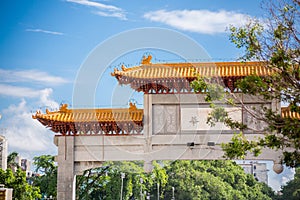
column 165, row 119
column 195, row 118
column 158, row 119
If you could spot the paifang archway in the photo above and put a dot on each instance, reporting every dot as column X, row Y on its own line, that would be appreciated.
column 171, row 126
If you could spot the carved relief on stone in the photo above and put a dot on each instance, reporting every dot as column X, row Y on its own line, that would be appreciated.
column 171, row 115
column 195, row 117
column 165, row 119
column 158, row 119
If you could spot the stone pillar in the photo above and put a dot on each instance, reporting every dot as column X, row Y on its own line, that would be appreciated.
column 148, row 133
column 65, row 171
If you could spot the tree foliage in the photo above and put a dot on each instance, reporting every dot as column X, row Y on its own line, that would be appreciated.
column 11, row 160
column 47, row 178
column 106, row 182
column 275, row 41
column 190, row 179
column 291, row 191
column 213, row 180
column 17, row 181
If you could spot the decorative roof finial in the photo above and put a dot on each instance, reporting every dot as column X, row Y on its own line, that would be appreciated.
column 124, row 68
column 114, row 73
column 146, row 61
column 132, row 106
column 63, row 107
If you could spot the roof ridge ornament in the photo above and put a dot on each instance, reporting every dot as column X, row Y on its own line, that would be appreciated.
column 114, row 73
column 63, row 108
column 132, row 106
column 124, row 68
column 38, row 112
column 146, row 60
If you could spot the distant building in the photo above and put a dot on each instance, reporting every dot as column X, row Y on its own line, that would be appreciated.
column 25, row 166
column 258, row 170
column 17, row 162
column 5, row 193
column 3, row 152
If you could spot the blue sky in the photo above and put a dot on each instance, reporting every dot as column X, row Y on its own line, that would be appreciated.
column 45, row 42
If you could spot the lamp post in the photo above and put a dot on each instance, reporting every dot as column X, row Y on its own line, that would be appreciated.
column 122, row 177
column 173, row 191
column 141, row 193
column 157, row 190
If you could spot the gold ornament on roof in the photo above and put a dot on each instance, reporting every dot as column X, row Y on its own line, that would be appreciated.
column 63, row 107
column 146, row 60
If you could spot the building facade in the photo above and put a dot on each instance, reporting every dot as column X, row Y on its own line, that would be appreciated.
column 257, row 169
column 3, row 152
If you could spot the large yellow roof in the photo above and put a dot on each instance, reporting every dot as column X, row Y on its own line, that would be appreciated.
column 192, row 70
column 92, row 115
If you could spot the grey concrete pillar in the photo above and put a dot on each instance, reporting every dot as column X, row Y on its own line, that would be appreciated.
column 65, row 173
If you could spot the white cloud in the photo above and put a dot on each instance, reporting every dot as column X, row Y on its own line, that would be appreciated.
column 24, row 134
column 22, row 92
column 288, row 176
column 45, row 99
column 9, row 76
column 200, row 21
column 115, row 14
column 45, row 31
column 105, row 9
column 96, row 5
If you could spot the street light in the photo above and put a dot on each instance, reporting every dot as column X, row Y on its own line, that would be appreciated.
column 141, row 181
column 122, row 177
column 147, row 195
column 157, row 190
column 173, row 191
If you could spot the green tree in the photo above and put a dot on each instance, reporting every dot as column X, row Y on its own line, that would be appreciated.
column 47, row 179
column 191, row 180
column 17, row 181
column 275, row 41
column 158, row 179
column 92, row 183
column 106, row 182
column 291, row 191
column 213, row 180
column 11, row 160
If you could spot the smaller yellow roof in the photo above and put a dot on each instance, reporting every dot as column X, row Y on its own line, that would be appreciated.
column 92, row 115
column 287, row 113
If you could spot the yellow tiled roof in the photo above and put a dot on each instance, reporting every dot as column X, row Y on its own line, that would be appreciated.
column 287, row 113
column 92, row 115
column 192, row 70
column 65, row 115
